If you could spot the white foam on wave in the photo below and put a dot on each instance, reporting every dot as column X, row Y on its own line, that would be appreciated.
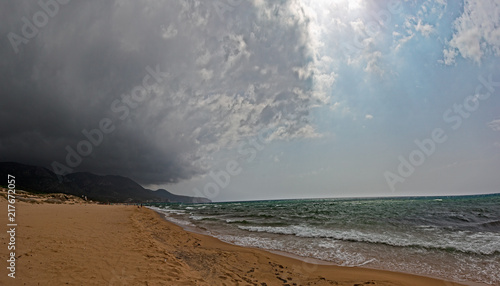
column 236, row 220
column 167, row 214
column 480, row 243
column 333, row 252
column 259, row 242
column 201, row 217
column 340, row 247
column 166, row 209
column 179, row 221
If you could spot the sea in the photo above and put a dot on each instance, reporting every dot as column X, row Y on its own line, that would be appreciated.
column 456, row 238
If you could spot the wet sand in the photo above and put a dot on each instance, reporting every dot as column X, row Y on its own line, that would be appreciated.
column 90, row 244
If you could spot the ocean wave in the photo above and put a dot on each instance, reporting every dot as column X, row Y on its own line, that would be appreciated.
column 259, row 242
column 476, row 243
column 167, row 215
column 256, row 222
column 202, row 218
column 239, row 221
column 490, row 225
column 335, row 254
column 168, row 210
column 179, row 221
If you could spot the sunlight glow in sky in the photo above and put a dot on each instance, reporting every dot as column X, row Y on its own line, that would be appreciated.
column 262, row 100
column 384, row 73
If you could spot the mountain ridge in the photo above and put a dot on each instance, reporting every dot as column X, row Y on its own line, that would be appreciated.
column 103, row 188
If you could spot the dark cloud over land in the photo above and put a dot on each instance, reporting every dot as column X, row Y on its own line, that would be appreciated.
column 227, row 72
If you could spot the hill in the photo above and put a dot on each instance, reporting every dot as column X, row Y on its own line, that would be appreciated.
column 115, row 189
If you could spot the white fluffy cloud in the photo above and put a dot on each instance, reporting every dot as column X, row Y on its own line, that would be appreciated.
column 424, row 29
column 477, row 31
column 494, row 125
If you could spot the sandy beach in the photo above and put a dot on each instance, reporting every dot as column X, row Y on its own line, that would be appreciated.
column 90, row 244
column 250, row 142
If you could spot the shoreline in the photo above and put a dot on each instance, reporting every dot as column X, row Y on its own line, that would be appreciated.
column 90, row 244
column 323, row 262
column 310, row 260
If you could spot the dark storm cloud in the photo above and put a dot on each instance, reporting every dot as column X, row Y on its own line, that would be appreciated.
column 226, row 78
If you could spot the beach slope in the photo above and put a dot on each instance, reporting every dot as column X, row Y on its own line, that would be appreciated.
column 90, row 244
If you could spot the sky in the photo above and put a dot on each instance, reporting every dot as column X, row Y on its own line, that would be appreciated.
column 253, row 99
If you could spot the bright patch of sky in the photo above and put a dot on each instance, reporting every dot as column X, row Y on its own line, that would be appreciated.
column 257, row 99
column 384, row 74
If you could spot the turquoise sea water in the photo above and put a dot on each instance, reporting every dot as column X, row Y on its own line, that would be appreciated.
column 455, row 238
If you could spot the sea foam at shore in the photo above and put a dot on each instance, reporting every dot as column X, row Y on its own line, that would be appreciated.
column 454, row 238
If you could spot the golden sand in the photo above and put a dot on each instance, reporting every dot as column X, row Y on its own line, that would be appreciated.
column 90, row 244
